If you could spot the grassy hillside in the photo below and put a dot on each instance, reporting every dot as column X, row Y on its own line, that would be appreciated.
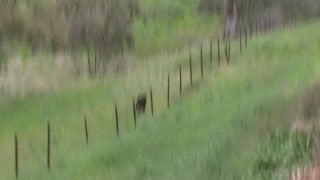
column 210, row 133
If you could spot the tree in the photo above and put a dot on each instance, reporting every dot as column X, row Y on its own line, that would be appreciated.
column 230, row 18
column 101, row 26
column 248, row 12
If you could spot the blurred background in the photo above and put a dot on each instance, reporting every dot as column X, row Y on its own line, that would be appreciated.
column 45, row 44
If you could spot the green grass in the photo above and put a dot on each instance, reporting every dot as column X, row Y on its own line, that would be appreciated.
column 171, row 25
column 282, row 150
column 210, row 133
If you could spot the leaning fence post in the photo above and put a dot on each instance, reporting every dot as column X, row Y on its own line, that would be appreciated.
column 117, row 118
column 168, row 91
column 190, row 66
column 48, row 146
column 151, row 100
column 86, row 129
column 16, row 155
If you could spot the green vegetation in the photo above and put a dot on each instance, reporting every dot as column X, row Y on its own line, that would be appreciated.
column 282, row 150
column 168, row 25
column 161, row 36
column 210, row 133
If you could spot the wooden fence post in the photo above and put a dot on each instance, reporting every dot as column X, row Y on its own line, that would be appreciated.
column 229, row 51
column 201, row 61
column 256, row 27
column 16, row 155
column 190, row 66
column 151, row 100
column 240, row 41
column 218, row 52
column 251, row 29
column 134, row 114
column 180, row 81
column 168, row 92
column 245, row 36
column 48, row 146
column 226, row 51
column 86, row 129
column 211, row 54
column 117, row 119
column 265, row 26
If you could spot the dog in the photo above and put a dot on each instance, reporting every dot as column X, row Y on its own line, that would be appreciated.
column 141, row 104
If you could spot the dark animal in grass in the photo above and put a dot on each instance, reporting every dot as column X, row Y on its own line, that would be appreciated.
column 141, row 104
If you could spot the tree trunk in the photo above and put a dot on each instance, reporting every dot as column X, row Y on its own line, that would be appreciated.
column 230, row 18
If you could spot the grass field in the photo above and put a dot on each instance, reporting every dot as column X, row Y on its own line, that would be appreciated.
column 210, row 133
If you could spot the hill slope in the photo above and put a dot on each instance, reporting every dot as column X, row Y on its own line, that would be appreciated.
column 208, row 134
